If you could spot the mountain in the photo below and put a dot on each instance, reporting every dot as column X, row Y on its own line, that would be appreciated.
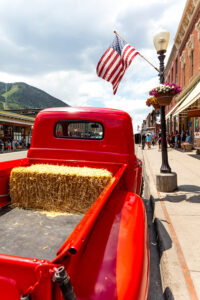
column 20, row 95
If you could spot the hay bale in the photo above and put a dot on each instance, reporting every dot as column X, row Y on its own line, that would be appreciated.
column 57, row 188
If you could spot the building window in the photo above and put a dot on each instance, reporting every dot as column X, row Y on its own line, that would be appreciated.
column 183, row 75
column 191, row 63
column 176, row 70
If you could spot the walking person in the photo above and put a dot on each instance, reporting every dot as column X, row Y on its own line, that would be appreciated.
column 177, row 140
column 183, row 136
column 148, row 139
column 159, row 140
column 153, row 139
column 143, row 141
column 9, row 145
column 1, row 146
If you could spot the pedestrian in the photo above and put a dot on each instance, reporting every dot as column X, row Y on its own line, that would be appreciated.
column 1, row 145
column 153, row 139
column 177, row 139
column 187, row 141
column 159, row 140
column 6, row 145
column 16, row 144
column 183, row 136
column 9, row 145
column 171, row 140
column 143, row 141
column 13, row 145
column 148, row 139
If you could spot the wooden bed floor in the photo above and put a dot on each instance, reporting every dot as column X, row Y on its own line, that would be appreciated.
column 34, row 234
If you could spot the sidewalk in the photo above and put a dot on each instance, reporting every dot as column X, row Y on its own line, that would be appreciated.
column 177, row 220
column 13, row 155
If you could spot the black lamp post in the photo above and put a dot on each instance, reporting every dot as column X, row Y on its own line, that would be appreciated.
column 161, row 41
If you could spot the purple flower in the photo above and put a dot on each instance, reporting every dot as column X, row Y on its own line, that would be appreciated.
column 171, row 88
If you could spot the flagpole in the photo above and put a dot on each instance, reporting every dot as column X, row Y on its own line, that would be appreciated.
column 138, row 52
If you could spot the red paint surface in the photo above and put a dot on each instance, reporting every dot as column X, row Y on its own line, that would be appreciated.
column 107, row 253
column 5, row 169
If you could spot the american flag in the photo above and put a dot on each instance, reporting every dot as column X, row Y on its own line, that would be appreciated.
column 115, row 61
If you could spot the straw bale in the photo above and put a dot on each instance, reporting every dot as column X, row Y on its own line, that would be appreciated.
column 57, row 188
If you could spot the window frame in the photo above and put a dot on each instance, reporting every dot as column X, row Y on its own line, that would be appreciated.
column 183, row 75
column 172, row 74
column 78, row 138
column 176, row 70
column 192, row 63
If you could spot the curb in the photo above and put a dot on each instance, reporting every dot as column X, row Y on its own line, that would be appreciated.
column 171, row 272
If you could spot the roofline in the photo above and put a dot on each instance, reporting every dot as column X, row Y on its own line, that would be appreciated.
column 183, row 28
column 17, row 116
column 190, row 10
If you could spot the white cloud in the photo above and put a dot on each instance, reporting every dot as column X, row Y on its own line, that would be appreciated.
column 55, row 46
column 135, row 107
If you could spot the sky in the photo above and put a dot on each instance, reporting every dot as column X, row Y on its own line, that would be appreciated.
column 56, row 45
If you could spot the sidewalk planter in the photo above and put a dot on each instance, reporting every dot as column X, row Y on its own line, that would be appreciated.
column 164, row 98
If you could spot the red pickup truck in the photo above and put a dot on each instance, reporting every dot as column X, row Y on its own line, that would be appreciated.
column 102, row 254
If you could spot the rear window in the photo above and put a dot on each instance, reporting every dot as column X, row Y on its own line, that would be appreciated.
column 79, row 130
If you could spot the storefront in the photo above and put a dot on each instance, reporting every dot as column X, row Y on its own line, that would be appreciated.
column 195, row 121
column 188, row 115
column 15, row 129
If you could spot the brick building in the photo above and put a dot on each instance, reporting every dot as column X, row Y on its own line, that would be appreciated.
column 183, row 67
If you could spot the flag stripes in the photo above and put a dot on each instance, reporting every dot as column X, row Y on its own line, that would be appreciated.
column 115, row 61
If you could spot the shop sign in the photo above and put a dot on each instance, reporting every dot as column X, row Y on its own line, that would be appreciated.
column 194, row 113
column 197, row 135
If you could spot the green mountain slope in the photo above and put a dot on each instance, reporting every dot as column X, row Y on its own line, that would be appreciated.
column 20, row 95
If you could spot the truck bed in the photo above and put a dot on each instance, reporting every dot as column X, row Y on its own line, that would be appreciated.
column 34, row 234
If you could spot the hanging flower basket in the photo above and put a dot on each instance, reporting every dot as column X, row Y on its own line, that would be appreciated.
column 152, row 101
column 156, row 106
column 164, row 99
column 164, row 93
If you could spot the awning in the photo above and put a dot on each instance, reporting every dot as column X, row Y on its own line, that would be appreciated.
column 13, row 118
column 171, row 111
column 177, row 104
column 14, row 121
column 192, row 97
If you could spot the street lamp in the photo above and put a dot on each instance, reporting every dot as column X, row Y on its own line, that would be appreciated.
column 161, row 40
